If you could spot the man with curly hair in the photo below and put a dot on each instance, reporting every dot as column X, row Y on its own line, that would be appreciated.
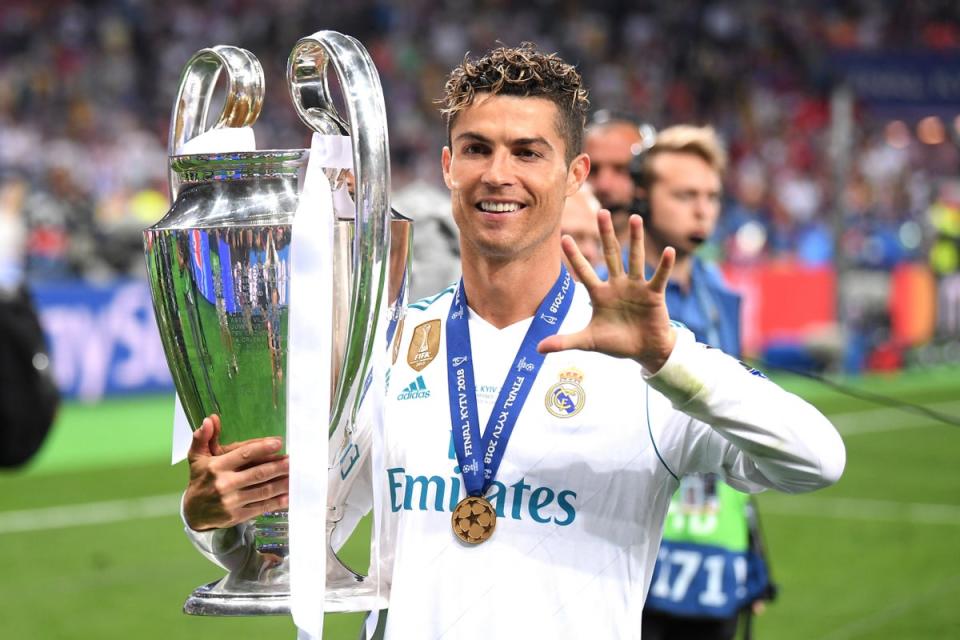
column 546, row 521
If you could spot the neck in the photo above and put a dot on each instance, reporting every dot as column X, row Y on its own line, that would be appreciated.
column 682, row 266
column 508, row 290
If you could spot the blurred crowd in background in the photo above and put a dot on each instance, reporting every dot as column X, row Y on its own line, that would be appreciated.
column 86, row 90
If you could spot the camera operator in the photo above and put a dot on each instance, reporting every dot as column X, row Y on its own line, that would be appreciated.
column 28, row 395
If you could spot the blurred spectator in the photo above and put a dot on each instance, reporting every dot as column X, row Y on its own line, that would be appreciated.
column 579, row 221
column 944, row 217
column 612, row 141
column 436, row 240
column 13, row 233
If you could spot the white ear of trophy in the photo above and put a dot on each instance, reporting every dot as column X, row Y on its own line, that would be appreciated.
column 223, row 140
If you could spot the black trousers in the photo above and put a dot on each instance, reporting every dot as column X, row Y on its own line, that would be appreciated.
column 660, row 626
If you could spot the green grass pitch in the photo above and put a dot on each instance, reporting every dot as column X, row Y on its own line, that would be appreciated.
column 874, row 557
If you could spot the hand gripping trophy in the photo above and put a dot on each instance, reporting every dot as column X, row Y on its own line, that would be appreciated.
column 223, row 262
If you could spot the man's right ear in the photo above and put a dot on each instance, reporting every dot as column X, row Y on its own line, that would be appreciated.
column 445, row 159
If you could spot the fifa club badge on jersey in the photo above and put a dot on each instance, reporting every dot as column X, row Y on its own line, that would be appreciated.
column 565, row 399
column 424, row 345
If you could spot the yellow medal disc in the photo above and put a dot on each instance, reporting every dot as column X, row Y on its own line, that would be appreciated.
column 474, row 520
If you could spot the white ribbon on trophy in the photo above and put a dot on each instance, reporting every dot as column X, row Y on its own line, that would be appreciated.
column 309, row 380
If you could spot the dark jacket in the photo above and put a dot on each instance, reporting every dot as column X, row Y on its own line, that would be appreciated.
column 28, row 394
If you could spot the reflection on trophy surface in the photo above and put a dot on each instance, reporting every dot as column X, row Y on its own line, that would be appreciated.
column 219, row 265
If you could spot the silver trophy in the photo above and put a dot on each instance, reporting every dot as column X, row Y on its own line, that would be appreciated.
column 219, row 270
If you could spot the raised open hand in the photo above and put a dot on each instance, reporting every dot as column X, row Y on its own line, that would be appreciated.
column 630, row 318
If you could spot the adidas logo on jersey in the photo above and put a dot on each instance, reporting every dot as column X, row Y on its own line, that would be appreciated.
column 415, row 390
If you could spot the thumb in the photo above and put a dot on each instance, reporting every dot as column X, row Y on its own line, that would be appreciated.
column 200, row 444
column 580, row 340
column 215, row 446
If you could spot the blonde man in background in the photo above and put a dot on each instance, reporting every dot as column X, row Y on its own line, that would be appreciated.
column 709, row 525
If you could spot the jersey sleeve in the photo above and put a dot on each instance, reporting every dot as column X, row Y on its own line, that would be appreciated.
column 725, row 418
column 226, row 547
column 358, row 504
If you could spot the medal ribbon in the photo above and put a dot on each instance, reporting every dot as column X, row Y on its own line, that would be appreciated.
column 480, row 458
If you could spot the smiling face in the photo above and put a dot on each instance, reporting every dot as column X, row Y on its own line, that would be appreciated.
column 508, row 178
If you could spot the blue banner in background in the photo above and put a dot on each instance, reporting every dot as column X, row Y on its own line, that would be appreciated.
column 103, row 339
column 925, row 83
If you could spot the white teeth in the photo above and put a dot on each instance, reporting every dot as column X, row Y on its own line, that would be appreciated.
column 499, row 207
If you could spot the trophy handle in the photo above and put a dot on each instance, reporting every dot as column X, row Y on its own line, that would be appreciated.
column 241, row 106
column 307, row 81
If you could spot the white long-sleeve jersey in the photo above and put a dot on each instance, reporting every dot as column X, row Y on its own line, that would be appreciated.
column 585, row 482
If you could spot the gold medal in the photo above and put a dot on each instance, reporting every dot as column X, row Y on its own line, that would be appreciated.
column 474, row 520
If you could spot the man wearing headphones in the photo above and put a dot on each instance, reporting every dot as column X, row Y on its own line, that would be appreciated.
column 710, row 566
column 612, row 141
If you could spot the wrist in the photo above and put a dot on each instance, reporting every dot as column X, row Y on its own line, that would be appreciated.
column 192, row 517
column 655, row 360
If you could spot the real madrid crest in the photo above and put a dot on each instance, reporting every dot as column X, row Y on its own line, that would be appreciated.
column 566, row 398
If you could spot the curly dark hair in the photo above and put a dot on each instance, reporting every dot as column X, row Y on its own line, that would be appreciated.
column 521, row 71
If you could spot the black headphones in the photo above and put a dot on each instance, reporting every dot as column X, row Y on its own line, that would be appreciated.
column 640, row 172
column 640, row 175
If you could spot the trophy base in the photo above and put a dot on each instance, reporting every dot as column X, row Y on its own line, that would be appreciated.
column 212, row 600
column 261, row 587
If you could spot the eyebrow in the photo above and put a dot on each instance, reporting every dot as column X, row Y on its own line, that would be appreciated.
column 517, row 142
column 523, row 142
